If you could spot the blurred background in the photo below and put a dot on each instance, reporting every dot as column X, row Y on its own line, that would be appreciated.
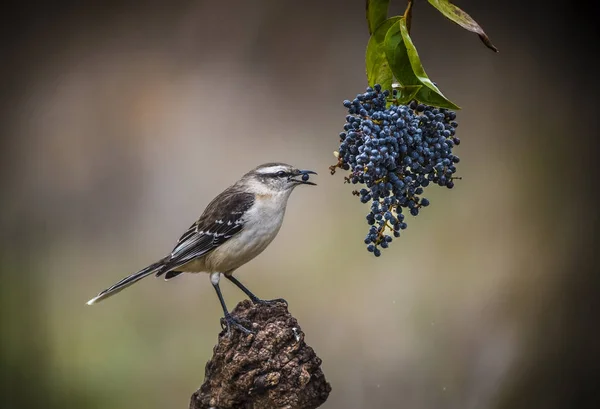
column 121, row 120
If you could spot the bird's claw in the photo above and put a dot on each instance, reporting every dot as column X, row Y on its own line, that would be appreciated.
column 229, row 321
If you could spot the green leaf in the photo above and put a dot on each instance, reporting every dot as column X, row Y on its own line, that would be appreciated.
column 435, row 97
column 430, row 93
column 376, row 13
column 462, row 19
column 406, row 66
column 407, row 93
column 378, row 69
column 397, row 56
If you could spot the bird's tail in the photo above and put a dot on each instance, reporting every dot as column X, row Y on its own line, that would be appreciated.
column 127, row 281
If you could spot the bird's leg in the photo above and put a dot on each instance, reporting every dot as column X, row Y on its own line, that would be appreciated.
column 229, row 319
column 249, row 293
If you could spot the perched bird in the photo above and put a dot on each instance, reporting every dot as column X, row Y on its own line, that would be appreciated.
column 235, row 227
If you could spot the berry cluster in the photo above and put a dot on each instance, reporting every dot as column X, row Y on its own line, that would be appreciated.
column 395, row 151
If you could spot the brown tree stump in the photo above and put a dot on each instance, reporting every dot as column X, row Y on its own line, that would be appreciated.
column 273, row 368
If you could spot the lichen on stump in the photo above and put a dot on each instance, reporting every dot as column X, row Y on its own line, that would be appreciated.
column 272, row 368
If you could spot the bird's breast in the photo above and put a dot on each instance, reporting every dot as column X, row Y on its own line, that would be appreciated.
column 261, row 224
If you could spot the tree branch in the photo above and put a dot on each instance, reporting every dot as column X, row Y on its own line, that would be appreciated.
column 273, row 368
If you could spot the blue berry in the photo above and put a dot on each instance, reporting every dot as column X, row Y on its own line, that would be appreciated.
column 395, row 152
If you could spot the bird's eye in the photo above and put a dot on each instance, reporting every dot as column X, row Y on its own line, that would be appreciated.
column 281, row 173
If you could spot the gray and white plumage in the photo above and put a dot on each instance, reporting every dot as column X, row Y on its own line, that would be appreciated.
column 236, row 226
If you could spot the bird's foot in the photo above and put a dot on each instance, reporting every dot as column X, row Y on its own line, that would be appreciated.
column 229, row 321
column 257, row 300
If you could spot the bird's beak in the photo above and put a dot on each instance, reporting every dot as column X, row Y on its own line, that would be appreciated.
column 302, row 173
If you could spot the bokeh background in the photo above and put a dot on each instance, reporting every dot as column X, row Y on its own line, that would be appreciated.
column 121, row 120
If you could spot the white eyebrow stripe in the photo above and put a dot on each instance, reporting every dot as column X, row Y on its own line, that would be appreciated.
column 272, row 169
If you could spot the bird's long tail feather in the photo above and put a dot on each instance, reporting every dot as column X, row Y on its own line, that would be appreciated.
column 127, row 281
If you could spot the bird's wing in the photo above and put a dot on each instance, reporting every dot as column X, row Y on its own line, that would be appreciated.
column 222, row 219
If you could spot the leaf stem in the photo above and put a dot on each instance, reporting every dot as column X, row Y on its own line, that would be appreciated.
column 408, row 14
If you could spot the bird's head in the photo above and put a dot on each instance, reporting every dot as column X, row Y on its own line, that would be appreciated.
column 276, row 178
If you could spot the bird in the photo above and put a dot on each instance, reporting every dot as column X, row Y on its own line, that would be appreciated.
column 234, row 228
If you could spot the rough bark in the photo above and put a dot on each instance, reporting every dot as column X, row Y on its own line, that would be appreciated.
column 273, row 368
